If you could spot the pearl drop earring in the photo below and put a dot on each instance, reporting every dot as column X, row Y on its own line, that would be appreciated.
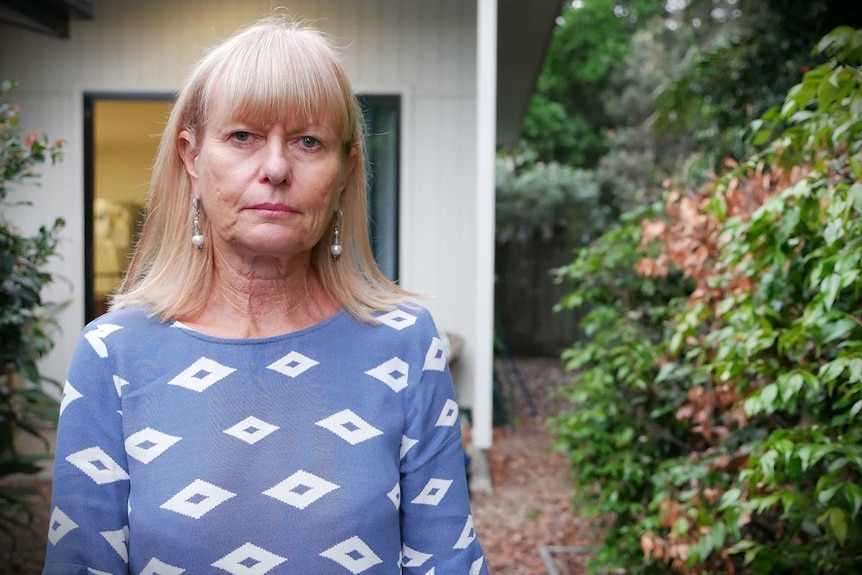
column 197, row 236
column 335, row 249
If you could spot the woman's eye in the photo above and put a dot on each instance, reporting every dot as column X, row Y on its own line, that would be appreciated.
column 241, row 136
column 309, row 142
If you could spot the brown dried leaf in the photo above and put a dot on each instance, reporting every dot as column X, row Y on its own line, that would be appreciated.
column 651, row 229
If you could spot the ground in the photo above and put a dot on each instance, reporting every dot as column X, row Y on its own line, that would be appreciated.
column 529, row 510
column 526, row 515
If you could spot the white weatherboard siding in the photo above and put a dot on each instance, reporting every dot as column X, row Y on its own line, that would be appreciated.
column 426, row 51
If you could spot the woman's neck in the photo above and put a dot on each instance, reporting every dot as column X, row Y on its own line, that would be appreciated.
column 262, row 300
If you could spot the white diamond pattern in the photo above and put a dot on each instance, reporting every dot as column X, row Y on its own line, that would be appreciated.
column 70, row 394
column 249, row 559
column 301, row 489
column 119, row 384
column 98, row 465
column 414, row 558
column 476, row 567
column 395, row 495
column 397, row 319
column 293, row 364
column 156, row 567
column 95, row 336
column 59, row 526
column 201, row 375
column 468, row 534
column 353, row 554
column 349, row 427
column 406, row 444
column 449, row 414
column 433, row 492
column 393, row 373
column 251, row 429
column 435, row 358
column 197, row 499
column 119, row 541
column 147, row 444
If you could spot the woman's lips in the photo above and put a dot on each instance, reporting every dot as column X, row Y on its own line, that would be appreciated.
column 275, row 208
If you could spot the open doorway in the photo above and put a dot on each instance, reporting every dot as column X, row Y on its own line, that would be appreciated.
column 121, row 134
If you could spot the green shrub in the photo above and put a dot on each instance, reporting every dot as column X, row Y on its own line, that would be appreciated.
column 25, row 320
column 716, row 420
column 539, row 201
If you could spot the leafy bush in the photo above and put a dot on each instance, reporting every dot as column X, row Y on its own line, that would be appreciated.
column 541, row 201
column 25, row 319
column 716, row 420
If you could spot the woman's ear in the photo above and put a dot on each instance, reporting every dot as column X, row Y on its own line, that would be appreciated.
column 349, row 166
column 188, row 153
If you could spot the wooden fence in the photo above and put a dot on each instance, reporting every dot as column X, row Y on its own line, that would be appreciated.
column 525, row 296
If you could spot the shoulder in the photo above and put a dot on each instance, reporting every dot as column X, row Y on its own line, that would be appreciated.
column 408, row 315
column 124, row 316
column 410, row 328
column 127, row 323
column 122, row 341
column 409, row 322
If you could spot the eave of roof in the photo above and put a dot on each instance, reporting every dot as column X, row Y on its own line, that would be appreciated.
column 524, row 31
column 49, row 17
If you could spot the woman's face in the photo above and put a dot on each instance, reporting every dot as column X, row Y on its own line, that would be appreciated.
column 267, row 190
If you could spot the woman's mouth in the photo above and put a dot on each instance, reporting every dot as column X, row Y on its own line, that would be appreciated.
column 272, row 208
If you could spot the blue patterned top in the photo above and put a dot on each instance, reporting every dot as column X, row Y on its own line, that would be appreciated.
column 331, row 450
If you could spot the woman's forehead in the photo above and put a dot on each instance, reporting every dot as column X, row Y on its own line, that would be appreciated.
column 230, row 102
column 224, row 109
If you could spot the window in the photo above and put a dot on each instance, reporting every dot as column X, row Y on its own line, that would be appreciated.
column 382, row 143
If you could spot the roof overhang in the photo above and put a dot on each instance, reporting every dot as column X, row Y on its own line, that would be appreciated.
column 49, row 17
column 524, row 31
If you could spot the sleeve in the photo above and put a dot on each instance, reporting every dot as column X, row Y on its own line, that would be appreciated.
column 88, row 528
column 436, row 520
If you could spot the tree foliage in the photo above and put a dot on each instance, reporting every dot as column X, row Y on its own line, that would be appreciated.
column 567, row 117
column 743, row 56
column 717, row 405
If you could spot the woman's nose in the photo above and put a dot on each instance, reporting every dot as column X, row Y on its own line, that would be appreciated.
column 275, row 163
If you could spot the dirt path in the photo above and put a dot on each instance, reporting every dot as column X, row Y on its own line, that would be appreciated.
column 530, row 505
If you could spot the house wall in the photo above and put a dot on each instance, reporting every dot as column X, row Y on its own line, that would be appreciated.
column 424, row 51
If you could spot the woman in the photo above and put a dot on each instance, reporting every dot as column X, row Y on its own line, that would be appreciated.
column 260, row 399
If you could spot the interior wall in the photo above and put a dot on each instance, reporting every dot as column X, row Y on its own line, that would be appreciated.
column 126, row 135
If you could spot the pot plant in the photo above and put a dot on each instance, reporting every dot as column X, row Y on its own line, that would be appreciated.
column 26, row 405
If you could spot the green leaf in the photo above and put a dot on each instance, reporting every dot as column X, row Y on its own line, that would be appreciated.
column 790, row 385
column 768, row 395
column 804, row 453
column 853, row 493
column 730, row 498
column 837, row 329
column 836, row 523
column 826, row 495
column 681, row 526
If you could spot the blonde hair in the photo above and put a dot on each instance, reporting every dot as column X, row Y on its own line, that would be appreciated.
column 268, row 70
